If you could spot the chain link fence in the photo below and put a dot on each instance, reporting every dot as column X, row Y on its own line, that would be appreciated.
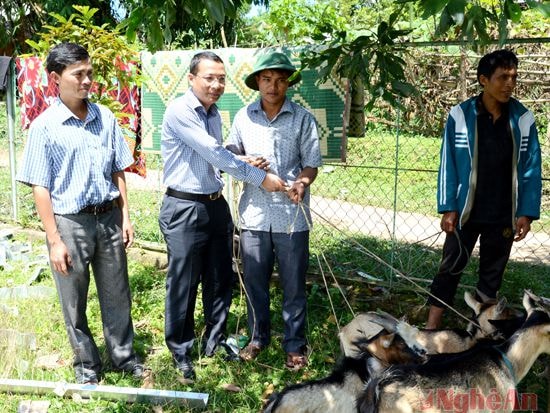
column 387, row 187
column 384, row 193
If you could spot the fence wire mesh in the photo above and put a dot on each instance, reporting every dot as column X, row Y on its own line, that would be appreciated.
column 383, row 194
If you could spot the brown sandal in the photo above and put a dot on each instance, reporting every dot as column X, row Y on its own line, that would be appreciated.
column 295, row 361
column 250, row 352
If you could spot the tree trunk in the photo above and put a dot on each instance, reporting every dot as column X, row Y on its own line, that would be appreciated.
column 357, row 109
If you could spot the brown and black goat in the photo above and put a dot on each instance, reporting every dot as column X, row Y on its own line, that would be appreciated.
column 366, row 335
column 493, row 321
column 483, row 378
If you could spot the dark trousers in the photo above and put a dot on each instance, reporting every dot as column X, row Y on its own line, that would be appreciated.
column 259, row 251
column 495, row 244
column 199, row 238
column 96, row 241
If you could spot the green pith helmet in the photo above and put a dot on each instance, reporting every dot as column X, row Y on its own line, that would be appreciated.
column 271, row 60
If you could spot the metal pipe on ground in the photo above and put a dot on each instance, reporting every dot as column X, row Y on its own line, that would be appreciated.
column 86, row 391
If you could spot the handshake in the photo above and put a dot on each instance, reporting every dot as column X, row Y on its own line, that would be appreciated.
column 272, row 182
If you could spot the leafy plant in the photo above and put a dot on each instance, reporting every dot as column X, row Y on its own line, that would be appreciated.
column 474, row 21
column 190, row 23
column 295, row 22
column 111, row 54
column 370, row 59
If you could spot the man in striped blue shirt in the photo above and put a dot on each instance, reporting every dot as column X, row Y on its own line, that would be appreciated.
column 194, row 217
column 74, row 160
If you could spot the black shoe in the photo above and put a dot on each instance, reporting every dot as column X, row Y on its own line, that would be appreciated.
column 185, row 367
column 137, row 370
column 87, row 378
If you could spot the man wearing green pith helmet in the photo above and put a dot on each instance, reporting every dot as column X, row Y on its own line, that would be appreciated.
column 275, row 226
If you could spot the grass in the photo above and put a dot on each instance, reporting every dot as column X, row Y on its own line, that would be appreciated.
column 344, row 257
column 368, row 176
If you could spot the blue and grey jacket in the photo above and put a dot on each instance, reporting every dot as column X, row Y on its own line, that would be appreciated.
column 458, row 168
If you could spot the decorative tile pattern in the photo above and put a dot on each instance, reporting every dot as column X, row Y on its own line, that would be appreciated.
column 165, row 78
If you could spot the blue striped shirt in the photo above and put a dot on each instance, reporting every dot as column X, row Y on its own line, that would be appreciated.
column 75, row 159
column 192, row 150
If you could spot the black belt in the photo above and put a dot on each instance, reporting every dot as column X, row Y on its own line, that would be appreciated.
column 193, row 197
column 98, row 209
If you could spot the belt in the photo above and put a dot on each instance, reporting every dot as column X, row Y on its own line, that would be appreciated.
column 98, row 209
column 193, row 197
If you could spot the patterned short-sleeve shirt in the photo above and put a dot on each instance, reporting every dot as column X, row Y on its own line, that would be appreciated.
column 290, row 142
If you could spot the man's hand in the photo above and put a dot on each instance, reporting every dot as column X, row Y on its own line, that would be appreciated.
column 272, row 183
column 257, row 161
column 127, row 233
column 296, row 192
column 59, row 256
column 523, row 226
column 449, row 221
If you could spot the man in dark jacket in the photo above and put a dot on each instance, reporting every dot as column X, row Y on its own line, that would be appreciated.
column 489, row 184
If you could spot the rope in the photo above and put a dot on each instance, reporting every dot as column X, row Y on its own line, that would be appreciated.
column 508, row 364
column 338, row 285
column 437, row 234
column 328, row 293
column 462, row 250
column 368, row 253
column 392, row 268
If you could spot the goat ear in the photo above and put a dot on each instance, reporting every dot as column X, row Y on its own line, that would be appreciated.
column 545, row 301
column 384, row 319
column 501, row 305
column 472, row 302
column 529, row 301
column 541, row 302
column 388, row 340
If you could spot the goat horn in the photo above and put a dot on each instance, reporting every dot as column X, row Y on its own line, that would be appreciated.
column 385, row 320
column 539, row 300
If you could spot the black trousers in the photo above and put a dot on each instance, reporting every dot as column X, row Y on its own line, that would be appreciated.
column 495, row 244
column 199, row 239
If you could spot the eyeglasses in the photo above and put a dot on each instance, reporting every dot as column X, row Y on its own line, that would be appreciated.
column 211, row 79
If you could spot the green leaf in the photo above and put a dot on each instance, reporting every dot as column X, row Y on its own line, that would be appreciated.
column 432, row 7
column 512, row 11
column 456, row 9
column 475, row 19
column 230, row 8
column 403, row 88
column 544, row 8
column 33, row 44
column 393, row 67
column 445, row 23
column 215, row 10
column 294, row 75
column 502, row 30
column 156, row 37
column 134, row 19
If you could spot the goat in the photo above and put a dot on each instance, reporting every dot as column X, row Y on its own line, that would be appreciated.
column 366, row 352
column 336, row 393
column 365, row 334
column 493, row 319
column 483, row 378
column 496, row 319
